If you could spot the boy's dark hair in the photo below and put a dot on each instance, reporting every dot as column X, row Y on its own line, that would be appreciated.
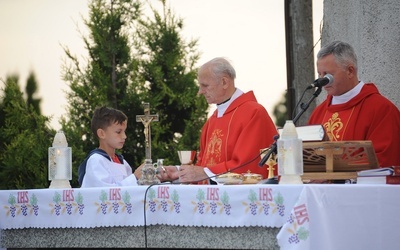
column 104, row 117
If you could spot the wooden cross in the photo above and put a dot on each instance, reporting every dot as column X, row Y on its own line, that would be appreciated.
column 146, row 119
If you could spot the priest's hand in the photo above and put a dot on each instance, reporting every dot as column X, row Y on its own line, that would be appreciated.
column 168, row 173
column 190, row 173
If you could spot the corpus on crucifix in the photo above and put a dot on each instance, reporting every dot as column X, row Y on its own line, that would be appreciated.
column 146, row 119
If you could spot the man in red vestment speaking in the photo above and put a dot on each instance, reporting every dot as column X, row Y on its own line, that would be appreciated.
column 354, row 110
column 231, row 139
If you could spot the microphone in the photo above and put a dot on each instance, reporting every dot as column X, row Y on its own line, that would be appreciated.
column 320, row 82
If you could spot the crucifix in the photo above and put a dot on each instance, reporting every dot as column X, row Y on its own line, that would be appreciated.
column 146, row 119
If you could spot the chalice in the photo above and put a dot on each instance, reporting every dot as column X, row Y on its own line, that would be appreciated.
column 186, row 157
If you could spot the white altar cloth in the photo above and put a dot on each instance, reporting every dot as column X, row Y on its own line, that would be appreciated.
column 179, row 205
column 311, row 216
column 344, row 217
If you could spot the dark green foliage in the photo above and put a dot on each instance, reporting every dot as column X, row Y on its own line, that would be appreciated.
column 105, row 78
column 30, row 89
column 168, row 69
column 280, row 112
column 25, row 139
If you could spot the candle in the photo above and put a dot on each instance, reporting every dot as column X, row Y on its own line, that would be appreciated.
column 60, row 159
column 290, row 155
column 61, row 164
column 289, row 164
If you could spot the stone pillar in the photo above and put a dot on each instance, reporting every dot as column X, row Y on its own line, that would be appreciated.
column 300, row 55
column 373, row 29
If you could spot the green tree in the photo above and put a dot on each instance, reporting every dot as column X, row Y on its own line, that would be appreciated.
column 30, row 90
column 167, row 68
column 105, row 78
column 280, row 111
column 25, row 138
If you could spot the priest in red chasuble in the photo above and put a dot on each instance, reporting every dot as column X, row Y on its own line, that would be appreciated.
column 354, row 110
column 232, row 137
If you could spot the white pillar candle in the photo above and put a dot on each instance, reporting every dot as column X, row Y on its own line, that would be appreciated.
column 60, row 159
column 290, row 155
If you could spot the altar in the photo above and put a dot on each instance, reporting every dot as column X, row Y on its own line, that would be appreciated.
column 167, row 216
column 310, row 216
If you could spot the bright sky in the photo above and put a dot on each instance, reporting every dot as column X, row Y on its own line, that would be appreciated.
column 250, row 33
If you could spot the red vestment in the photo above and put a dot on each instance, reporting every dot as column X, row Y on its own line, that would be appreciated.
column 367, row 116
column 235, row 139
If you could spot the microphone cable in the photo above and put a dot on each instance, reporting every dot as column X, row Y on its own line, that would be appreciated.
column 144, row 209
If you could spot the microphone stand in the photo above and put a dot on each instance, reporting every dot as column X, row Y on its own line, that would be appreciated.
column 273, row 148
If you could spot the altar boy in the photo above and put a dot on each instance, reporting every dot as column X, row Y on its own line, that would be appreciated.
column 103, row 167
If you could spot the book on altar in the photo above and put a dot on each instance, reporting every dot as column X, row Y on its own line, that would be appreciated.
column 389, row 175
column 310, row 133
column 394, row 170
column 376, row 172
column 383, row 179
